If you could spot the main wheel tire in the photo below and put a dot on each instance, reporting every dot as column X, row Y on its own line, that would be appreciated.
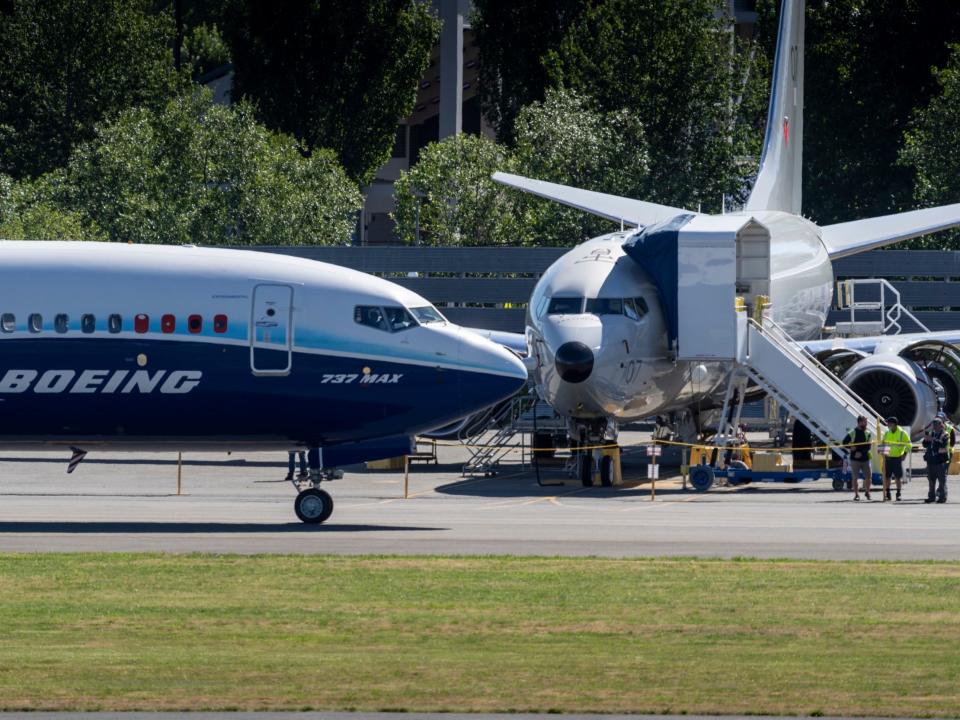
column 802, row 438
column 585, row 468
column 543, row 446
column 701, row 477
column 738, row 465
column 839, row 484
column 313, row 506
column 606, row 471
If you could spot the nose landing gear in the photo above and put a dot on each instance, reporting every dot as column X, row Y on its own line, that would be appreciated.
column 591, row 461
column 313, row 505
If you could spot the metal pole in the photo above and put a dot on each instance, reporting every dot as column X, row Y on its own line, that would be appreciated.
column 406, row 477
column 179, row 471
column 653, row 482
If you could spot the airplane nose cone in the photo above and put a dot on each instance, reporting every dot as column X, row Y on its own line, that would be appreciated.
column 574, row 362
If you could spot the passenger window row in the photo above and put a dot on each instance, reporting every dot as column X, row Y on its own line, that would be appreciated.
column 115, row 323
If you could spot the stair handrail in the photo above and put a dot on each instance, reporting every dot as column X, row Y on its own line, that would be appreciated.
column 808, row 363
column 890, row 317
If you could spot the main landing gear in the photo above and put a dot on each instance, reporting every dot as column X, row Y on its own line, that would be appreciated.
column 313, row 505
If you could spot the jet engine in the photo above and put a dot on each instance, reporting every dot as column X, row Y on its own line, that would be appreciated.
column 893, row 385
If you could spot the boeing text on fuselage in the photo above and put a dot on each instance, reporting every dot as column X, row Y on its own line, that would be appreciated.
column 176, row 382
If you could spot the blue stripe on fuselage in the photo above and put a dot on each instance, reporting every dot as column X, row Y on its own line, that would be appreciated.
column 229, row 400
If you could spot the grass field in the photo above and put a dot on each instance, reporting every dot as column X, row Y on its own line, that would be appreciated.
column 158, row 632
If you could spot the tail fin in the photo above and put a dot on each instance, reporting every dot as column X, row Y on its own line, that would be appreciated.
column 778, row 184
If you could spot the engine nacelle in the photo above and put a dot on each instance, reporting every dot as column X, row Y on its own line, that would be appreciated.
column 895, row 385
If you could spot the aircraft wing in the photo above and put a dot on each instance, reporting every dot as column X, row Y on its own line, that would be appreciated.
column 858, row 236
column 612, row 207
column 512, row 341
column 869, row 345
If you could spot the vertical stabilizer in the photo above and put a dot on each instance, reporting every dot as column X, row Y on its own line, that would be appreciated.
column 781, row 163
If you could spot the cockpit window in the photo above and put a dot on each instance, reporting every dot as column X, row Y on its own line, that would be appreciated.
column 605, row 306
column 399, row 319
column 427, row 314
column 635, row 308
column 565, row 306
column 371, row 316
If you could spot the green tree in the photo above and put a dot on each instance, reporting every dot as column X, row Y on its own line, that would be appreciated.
column 204, row 49
column 197, row 172
column 931, row 151
column 335, row 74
column 26, row 215
column 448, row 198
column 66, row 65
column 567, row 140
column 514, row 38
column 867, row 68
column 669, row 63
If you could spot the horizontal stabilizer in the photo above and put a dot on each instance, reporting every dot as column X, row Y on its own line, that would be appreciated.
column 612, row 207
column 858, row 236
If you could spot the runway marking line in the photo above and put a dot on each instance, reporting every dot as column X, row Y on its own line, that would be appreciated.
column 533, row 501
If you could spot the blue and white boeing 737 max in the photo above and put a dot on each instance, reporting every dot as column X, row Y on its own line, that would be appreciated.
column 137, row 347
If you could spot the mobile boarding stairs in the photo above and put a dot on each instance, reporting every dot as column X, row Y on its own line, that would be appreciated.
column 712, row 274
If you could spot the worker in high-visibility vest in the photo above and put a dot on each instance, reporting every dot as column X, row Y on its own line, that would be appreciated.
column 857, row 441
column 937, row 442
column 950, row 430
column 897, row 441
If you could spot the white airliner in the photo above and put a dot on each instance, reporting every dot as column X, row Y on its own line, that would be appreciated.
column 140, row 347
column 600, row 334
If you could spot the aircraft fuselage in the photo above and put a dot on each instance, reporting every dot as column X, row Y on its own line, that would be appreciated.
column 632, row 372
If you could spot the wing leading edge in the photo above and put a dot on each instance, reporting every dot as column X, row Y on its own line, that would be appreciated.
column 612, row 207
column 858, row 236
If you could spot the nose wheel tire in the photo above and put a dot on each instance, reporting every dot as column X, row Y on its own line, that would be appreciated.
column 313, row 506
column 585, row 467
column 606, row 471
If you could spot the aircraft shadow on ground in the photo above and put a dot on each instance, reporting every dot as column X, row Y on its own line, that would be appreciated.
column 176, row 528
column 63, row 459
column 515, row 484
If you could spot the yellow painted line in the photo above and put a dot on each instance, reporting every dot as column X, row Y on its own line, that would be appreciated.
column 534, row 501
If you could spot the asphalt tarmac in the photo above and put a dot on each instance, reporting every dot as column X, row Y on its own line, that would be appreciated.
column 239, row 504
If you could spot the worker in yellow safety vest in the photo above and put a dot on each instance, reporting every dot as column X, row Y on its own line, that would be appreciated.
column 898, row 441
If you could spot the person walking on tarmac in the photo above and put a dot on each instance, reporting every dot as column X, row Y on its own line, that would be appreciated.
column 858, row 440
column 897, row 441
column 937, row 454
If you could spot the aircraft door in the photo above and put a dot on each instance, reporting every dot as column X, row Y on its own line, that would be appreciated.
column 271, row 330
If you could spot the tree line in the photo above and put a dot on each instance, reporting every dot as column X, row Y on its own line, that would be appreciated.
column 104, row 135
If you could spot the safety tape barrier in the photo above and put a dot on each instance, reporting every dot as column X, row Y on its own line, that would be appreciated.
column 705, row 446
